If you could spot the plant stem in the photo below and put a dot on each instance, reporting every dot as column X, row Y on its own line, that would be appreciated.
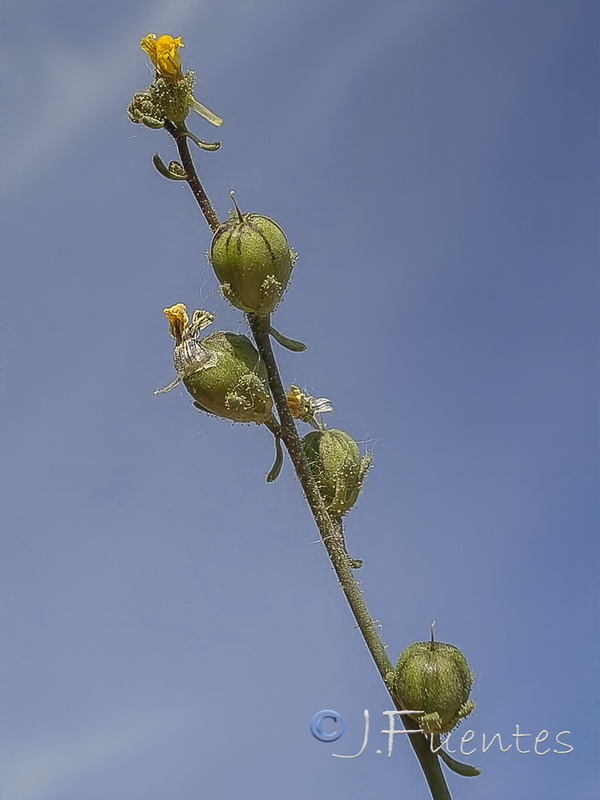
column 192, row 179
column 331, row 533
column 334, row 544
column 332, row 539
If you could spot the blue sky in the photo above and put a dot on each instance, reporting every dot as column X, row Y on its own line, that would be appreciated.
column 169, row 622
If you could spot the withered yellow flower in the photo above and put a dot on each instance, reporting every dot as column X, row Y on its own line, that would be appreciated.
column 178, row 320
column 189, row 355
column 164, row 55
column 307, row 408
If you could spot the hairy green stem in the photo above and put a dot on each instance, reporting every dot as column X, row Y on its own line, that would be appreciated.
column 332, row 538
column 181, row 140
column 333, row 541
column 331, row 533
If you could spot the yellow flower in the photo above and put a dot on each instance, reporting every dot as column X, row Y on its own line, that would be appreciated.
column 178, row 320
column 307, row 408
column 164, row 55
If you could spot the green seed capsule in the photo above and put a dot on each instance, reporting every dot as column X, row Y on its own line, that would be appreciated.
column 337, row 466
column 434, row 678
column 252, row 261
column 235, row 386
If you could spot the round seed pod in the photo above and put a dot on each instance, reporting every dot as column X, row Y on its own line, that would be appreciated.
column 337, row 466
column 235, row 385
column 434, row 678
column 252, row 261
